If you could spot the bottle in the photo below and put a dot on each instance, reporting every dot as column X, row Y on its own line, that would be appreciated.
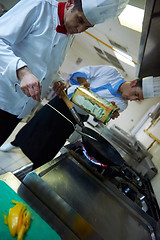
column 92, row 103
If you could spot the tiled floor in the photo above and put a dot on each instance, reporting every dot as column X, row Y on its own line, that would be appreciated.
column 15, row 159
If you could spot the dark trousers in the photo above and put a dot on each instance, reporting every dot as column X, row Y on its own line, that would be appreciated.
column 44, row 135
column 8, row 122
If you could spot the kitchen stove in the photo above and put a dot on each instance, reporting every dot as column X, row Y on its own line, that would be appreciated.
column 131, row 183
column 94, row 201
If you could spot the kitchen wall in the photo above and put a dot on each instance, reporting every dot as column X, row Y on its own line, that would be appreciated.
column 88, row 57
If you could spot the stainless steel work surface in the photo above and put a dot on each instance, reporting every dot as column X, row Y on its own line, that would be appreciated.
column 111, row 214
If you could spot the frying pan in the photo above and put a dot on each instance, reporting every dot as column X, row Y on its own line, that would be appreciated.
column 101, row 149
column 96, row 145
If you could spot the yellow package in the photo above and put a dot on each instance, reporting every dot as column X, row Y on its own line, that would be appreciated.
column 92, row 103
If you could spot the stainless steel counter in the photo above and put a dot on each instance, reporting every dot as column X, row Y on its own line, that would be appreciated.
column 90, row 207
column 11, row 180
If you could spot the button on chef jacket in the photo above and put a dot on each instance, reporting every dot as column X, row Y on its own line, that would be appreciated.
column 28, row 36
column 104, row 80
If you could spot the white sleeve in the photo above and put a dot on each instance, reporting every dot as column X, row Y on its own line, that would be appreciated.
column 100, row 70
column 85, row 70
column 122, row 105
column 15, row 26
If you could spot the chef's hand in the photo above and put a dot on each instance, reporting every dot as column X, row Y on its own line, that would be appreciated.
column 58, row 87
column 116, row 113
column 83, row 81
column 29, row 84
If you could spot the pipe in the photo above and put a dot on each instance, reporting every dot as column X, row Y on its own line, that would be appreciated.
column 154, row 112
column 151, row 135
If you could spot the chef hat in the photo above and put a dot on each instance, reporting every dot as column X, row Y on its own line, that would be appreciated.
column 97, row 11
column 151, row 87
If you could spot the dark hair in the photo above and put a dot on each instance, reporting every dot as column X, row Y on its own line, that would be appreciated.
column 78, row 5
column 139, row 83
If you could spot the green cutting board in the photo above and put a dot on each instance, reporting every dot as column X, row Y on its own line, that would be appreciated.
column 39, row 229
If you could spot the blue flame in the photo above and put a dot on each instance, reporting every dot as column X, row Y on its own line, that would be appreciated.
column 92, row 159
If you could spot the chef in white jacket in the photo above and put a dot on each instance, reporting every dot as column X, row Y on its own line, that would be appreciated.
column 103, row 80
column 34, row 38
column 45, row 134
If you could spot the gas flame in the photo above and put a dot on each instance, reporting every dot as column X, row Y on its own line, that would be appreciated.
column 92, row 159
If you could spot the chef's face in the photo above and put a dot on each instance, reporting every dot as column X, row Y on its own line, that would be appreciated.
column 74, row 20
column 132, row 92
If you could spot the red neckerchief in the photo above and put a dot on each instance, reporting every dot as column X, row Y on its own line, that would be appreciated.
column 61, row 28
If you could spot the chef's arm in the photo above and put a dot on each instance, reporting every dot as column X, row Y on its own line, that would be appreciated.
column 58, row 87
column 12, row 66
column 13, row 31
column 116, row 112
column 83, row 81
column 29, row 84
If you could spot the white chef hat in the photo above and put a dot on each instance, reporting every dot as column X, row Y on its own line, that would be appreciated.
column 97, row 11
column 151, row 87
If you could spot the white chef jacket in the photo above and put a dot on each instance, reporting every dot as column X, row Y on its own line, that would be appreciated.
column 104, row 80
column 28, row 36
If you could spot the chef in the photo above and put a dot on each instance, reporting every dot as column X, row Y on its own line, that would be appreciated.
column 44, row 135
column 34, row 38
column 101, row 79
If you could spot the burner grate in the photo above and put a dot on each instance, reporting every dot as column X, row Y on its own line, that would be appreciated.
column 127, row 180
column 79, row 149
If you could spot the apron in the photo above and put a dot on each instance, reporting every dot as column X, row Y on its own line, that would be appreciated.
column 42, row 137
